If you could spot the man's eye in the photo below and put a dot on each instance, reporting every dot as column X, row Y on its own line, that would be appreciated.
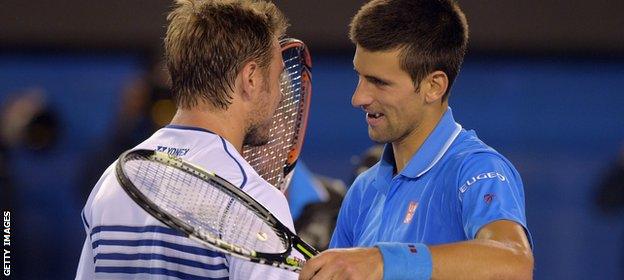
column 378, row 82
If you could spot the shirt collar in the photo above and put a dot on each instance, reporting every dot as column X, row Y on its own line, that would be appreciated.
column 431, row 151
column 186, row 127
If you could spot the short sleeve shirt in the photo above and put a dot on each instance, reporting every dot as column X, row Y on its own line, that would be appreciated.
column 125, row 242
column 453, row 186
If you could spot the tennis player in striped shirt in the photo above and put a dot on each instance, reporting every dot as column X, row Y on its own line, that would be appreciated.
column 225, row 64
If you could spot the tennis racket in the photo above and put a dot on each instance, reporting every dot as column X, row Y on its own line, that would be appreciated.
column 276, row 160
column 208, row 209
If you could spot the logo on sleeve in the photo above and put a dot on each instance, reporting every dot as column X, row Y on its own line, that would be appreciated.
column 411, row 209
column 412, row 249
column 488, row 198
column 482, row 176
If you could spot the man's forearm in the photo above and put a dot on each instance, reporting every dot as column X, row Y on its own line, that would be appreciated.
column 481, row 259
column 501, row 250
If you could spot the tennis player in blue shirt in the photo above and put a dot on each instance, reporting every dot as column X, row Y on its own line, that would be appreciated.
column 440, row 203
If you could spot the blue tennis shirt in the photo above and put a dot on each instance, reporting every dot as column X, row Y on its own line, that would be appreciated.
column 452, row 187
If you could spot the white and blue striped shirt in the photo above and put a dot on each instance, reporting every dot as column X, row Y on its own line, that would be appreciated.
column 125, row 242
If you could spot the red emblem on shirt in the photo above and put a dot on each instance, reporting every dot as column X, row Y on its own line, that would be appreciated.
column 488, row 198
column 411, row 209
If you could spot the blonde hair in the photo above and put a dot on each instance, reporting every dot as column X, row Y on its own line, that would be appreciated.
column 209, row 41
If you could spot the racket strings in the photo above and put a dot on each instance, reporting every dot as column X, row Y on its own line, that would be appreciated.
column 271, row 159
column 204, row 205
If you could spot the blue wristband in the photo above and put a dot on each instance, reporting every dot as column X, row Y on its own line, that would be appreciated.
column 405, row 261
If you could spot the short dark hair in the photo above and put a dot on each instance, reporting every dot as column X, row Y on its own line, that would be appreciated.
column 209, row 41
column 431, row 34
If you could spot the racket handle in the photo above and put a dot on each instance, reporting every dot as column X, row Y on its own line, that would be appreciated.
column 306, row 249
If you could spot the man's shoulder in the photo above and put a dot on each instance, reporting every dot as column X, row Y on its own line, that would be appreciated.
column 363, row 184
column 212, row 153
column 109, row 204
column 268, row 196
column 225, row 161
column 367, row 177
column 468, row 145
column 468, row 151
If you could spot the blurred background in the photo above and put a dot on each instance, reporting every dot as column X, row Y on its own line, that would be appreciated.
column 542, row 83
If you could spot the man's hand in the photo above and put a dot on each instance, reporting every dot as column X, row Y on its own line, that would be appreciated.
column 357, row 263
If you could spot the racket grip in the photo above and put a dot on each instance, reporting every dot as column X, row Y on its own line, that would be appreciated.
column 306, row 249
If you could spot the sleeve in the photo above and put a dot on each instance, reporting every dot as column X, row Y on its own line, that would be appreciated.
column 490, row 189
column 343, row 232
column 86, row 269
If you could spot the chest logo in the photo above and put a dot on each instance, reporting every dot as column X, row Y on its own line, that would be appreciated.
column 411, row 209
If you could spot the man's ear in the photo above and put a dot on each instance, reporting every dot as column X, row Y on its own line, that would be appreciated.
column 434, row 86
column 251, row 80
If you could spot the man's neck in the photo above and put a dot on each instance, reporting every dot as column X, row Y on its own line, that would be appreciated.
column 224, row 123
column 404, row 149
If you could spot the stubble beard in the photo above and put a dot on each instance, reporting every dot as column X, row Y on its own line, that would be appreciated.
column 258, row 134
column 380, row 135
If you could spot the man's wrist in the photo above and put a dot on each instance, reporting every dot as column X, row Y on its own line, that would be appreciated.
column 405, row 260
